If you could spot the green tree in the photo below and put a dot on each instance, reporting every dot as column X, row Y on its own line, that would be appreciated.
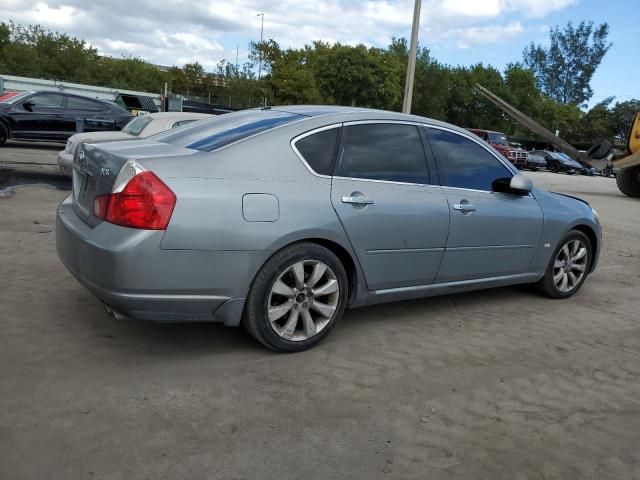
column 622, row 115
column 565, row 68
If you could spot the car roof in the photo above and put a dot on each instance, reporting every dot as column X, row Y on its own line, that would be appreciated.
column 343, row 114
column 483, row 130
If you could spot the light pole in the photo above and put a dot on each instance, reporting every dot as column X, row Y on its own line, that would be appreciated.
column 411, row 66
column 261, row 32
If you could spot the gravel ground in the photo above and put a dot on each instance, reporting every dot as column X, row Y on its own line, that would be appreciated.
column 493, row 384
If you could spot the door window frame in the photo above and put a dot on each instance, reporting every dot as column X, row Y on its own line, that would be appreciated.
column 430, row 163
column 508, row 165
column 334, row 155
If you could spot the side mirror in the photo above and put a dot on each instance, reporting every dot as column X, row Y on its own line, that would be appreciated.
column 520, row 184
column 28, row 105
column 517, row 185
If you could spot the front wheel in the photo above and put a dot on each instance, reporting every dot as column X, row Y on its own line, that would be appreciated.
column 569, row 266
column 297, row 298
column 554, row 167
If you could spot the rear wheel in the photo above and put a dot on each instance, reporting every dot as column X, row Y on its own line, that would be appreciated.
column 554, row 167
column 569, row 266
column 4, row 133
column 297, row 298
column 628, row 181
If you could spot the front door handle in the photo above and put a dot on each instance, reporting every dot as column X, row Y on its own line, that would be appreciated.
column 464, row 207
column 358, row 200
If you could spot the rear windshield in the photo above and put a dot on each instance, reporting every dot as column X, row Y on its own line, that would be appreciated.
column 135, row 126
column 17, row 98
column 208, row 135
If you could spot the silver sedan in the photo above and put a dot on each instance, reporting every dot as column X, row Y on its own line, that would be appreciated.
column 280, row 218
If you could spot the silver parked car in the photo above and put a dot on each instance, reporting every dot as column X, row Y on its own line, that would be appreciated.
column 142, row 126
column 280, row 218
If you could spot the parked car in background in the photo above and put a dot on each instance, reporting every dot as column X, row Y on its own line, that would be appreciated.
column 280, row 218
column 589, row 171
column 534, row 162
column 55, row 116
column 499, row 141
column 558, row 162
column 139, row 127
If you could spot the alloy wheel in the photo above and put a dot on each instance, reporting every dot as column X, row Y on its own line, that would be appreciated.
column 570, row 266
column 303, row 300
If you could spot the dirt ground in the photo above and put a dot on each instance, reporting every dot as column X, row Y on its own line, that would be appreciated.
column 499, row 384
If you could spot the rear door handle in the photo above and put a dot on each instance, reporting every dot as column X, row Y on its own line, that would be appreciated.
column 464, row 207
column 358, row 200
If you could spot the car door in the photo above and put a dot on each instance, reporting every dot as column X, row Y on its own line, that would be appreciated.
column 39, row 117
column 491, row 234
column 86, row 115
column 395, row 218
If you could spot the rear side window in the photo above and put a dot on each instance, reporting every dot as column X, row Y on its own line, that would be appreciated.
column 379, row 151
column 208, row 135
column 317, row 149
column 465, row 163
column 74, row 103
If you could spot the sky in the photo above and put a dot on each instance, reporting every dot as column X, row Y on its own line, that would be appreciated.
column 458, row 32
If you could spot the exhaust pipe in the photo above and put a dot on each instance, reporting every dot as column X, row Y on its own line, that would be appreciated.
column 114, row 313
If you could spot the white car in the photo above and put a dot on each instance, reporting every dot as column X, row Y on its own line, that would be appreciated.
column 139, row 127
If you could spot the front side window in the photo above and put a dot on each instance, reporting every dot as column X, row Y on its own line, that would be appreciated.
column 317, row 149
column 383, row 151
column 46, row 100
column 466, row 164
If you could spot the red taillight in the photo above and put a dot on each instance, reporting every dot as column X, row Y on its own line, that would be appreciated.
column 145, row 202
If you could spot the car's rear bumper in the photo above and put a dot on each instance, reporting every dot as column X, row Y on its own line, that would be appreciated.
column 127, row 270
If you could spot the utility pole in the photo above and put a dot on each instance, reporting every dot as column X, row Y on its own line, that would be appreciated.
column 237, row 49
column 261, row 32
column 413, row 52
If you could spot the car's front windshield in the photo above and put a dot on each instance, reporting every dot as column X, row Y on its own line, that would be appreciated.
column 17, row 98
column 498, row 138
column 135, row 126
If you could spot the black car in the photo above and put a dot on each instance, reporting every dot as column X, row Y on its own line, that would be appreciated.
column 534, row 162
column 559, row 162
column 55, row 116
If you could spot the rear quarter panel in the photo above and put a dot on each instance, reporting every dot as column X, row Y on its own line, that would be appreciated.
column 209, row 209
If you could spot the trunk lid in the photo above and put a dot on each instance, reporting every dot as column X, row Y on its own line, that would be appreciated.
column 95, row 168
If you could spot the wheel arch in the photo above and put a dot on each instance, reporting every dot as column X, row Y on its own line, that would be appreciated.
column 593, row 239
column 338, row 247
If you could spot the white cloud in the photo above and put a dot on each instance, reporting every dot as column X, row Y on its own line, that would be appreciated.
column 175, row 31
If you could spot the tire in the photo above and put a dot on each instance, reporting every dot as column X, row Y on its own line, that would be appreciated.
column 554, row 167
column 628, row 181
column 551, row 284
column 4, row 133
column 282, row 319
column 600, row 150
